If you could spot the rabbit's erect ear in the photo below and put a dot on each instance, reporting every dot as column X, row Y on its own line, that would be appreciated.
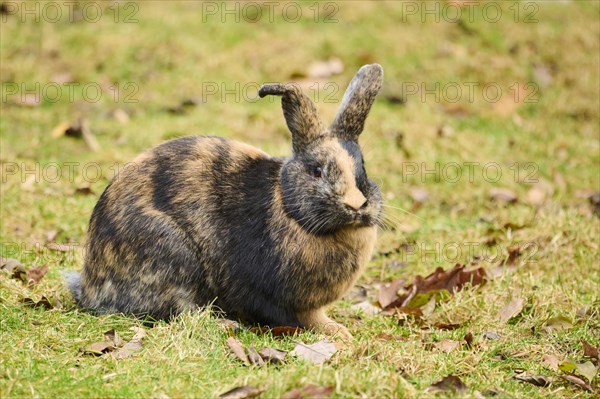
column 356, row 104
column 300, row 113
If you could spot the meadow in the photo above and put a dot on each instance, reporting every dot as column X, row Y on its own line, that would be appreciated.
column 484, row 140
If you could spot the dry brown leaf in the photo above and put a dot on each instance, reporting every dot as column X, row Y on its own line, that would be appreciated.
column 390, row 337
column 130, row 348
column 449, row 383
column 388, row 293
column 309, row 391
column 558, row 323
column 503, row 195
column 365, row 307
column 440, row 280
column 42, row 303
column 537, row 380
column 315, row 353
column 84, row 190
column 589, row 350
column 15, row 268
column 551, row 362
column 35, row 274
column 271, row 355
column 447, row 345
column 237, row 349
column 448, row 326
column 491, row 335
column 577, row 381
column 512, row 309
column 242, row 392
column 469, row 340
column 277, row 332
column 254, row 357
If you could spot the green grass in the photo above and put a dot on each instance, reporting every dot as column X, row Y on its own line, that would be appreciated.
column 170, row 55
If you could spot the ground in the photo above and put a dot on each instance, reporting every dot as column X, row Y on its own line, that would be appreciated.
column 502, row 96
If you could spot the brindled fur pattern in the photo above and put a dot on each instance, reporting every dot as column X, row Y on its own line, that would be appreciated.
column 205, row 220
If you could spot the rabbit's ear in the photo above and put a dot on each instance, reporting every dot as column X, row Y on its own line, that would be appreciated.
column 300, row 113
column 356, row 104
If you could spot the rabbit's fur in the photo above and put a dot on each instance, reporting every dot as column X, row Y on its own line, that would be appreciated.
column 202, row 220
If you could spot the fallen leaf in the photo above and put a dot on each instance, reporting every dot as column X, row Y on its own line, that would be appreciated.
column 558, row 323
column 587, row 370
column 567, row 367
column 98, row 348
column 271, row 355
column 242, row 392
column 231, row 326
column 590, row 350
column 388, row 293
column 491, row 335
column 502, row 195
column 237, row 349
column 537, row 380
column 315, row 353
column 84, row 190
column 279, row 331
column 469, row 340
column 35, row 274
column 577, row 381
column 365, row 307
column 15, row 268
column 512, row 309
column 390, row 337
column 309, row 391
column 113, row 337
column 447, row 345
column 429, row 307
column 551, row 362
column 450, row 383
column 254, row 357
column 42, row 303
column 325, row 69
column 130, row 348
column 441, row 282
column 448, row 326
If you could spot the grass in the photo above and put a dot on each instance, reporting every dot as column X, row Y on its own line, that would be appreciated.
column 170, row 54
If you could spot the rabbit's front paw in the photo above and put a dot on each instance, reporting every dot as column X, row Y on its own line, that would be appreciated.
column 318, row 321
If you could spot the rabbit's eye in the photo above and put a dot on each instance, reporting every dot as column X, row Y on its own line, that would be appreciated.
column 317, row 171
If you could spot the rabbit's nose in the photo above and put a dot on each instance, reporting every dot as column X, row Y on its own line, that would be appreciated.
column 354, row 199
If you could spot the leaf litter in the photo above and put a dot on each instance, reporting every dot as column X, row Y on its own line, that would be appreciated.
column 114, row 347
column 309, row 391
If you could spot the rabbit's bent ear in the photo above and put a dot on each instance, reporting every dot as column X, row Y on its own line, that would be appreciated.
column 356, row 104
column 300, row 113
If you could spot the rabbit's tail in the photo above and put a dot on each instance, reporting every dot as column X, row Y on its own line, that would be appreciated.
column 73, row 280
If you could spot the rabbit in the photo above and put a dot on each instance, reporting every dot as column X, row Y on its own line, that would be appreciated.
column 200, row 221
